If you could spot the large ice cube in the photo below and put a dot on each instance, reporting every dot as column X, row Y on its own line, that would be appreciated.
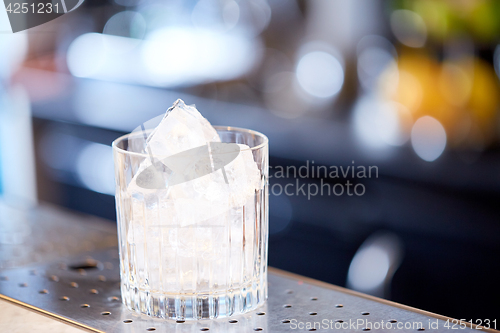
column 182, row 128
column 202, row 218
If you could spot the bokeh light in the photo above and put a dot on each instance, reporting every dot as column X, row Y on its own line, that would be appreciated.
column 455, row 84
column 320, row 74
column 375, row 54
column 368, row 268
column 126, row 24
column 255, row 16
column 496, row 60
column 194, row 55
column 215, row 15
column 168, row 57
column 81, row 62
column 409, row 28
column 95, row 168
column 249, row 17
column 428, row 138
column 379, row 123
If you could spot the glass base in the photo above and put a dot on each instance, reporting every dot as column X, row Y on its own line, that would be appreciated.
column 195, row 306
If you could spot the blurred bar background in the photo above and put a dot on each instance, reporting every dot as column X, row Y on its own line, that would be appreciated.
column 411, row 87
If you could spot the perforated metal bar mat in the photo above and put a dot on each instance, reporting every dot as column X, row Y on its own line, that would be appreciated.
column 85, row 291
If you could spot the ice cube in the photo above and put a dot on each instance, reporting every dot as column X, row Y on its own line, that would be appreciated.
column 196, row 218
column 182, row 128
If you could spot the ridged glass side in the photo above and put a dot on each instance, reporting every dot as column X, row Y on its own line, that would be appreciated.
column 216, row 268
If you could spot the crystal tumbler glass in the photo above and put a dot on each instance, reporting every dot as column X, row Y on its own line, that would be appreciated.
column 183, row 258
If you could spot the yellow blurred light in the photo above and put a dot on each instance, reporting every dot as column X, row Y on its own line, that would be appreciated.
column 410, row 92
column 455, row 84
column 405, row 83
column 462, row 95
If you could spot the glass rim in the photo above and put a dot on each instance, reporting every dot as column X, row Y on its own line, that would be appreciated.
column 115, row 142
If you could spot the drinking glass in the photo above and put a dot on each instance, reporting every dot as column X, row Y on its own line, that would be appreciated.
column 211, row 269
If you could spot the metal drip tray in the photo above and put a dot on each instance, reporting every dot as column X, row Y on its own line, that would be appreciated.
column 85, row 291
